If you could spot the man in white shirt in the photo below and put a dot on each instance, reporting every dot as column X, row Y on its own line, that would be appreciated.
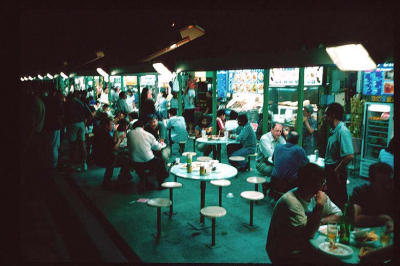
column 141, row 145
column 232, row 124
column 297, row 216
column 268, row 143
column 130, row 101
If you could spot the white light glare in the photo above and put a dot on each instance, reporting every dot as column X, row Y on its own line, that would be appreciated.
column 163, row 70
column 49, row 76
column 102, row 72
column 351, row 57
column 30, row 78
column 22, row 79
column 63, row 75
column 39, row 76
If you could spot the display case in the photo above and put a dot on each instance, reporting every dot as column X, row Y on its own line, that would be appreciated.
column 377, row 132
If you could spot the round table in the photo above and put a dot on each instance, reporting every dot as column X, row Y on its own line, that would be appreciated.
column 217, row 143
column 354, row 258
column 223, row 171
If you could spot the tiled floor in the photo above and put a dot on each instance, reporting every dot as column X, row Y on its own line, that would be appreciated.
column 181, row 243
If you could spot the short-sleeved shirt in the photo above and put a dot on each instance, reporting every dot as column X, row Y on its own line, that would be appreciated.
column 386, row 157
column 288, row 158
column 177, row 126
column 309, row 139
column 188, row 99
column 268, row 144
column 370, row 204
column 247, row 137
column 288, row 222
column 159, row 132
column 340, row 144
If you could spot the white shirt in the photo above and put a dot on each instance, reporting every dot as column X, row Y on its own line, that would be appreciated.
column 129, row 100
column 231, row 125
column 104, row 98
column 140, row 145
column 267, row 145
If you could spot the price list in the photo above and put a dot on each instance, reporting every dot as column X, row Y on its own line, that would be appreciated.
column 373, row 82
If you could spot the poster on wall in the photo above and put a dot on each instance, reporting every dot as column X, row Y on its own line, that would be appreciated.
column 282, row 77
column 245, row 81
column 379, row 82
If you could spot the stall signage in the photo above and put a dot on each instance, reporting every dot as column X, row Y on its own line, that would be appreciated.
column 282, row 77
column 130, row 80
column 380, row 81
column 148, row 80
column 245, row 81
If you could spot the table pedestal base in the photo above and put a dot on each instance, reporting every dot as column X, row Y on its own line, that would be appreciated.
column 251, row 227
column 170, row 214
column 198, row 225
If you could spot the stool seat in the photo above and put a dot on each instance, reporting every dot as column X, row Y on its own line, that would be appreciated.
column 159, row 202
column 253, row 154
column 204, row 159
column 189, row 152
column 237, row 158
column 252, row 195
column 213, row 211
column 171, row 184
column 256, row 180
column 221, row 183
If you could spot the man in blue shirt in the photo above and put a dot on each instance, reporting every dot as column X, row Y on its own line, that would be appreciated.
column 248, row 142
column 339, row 152
column 176, row 127
column 288, row 158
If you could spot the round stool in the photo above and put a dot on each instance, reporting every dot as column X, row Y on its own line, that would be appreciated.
column 171, row 186
column 220, row 183
column 213, row 212
column 159, row 203
column 237, row 159
column 252, row 196
column 256, row 180
column 249, row 156
column 204, row 159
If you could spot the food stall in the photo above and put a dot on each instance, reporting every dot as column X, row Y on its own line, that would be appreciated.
column 378, row 91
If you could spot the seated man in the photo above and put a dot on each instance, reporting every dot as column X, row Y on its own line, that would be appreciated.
column 177, row 127
column 104, row 147
column 232, row 124
column 297, row 216
column 288, row 158
column 141, row 145
column 268, row 142
column 374, row 204
column 158, row 130
column 247, row 139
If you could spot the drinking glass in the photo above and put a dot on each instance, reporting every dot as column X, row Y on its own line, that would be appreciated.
column 203, row 134
column 316, row 153
column 177, row 160
column 333, row 231
column 385, row 239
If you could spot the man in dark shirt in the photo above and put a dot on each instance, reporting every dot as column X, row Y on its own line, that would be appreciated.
column 104, row 147
column 374, row 202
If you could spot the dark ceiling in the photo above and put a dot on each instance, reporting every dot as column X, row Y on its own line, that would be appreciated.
column 51, row 35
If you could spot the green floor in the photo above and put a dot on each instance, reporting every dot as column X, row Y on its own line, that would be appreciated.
column 181, row 243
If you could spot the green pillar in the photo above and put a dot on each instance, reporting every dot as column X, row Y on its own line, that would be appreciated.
column 109, row 89
column 300, row 97
column 180, row 82
column 265, row 104
column 214, row 102
column 139, row 92
column 122, row 84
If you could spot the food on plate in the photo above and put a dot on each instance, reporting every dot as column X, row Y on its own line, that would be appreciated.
column 254, row 76
column 332, row 245
column 365, row 250
column 260, row 76
column 366, row 236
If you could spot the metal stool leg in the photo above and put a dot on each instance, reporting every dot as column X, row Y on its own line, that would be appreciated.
column 251, row 213
column 158, row 222
column 171, row 199
column 213, row 232
column 256, row 187
column 220, row 196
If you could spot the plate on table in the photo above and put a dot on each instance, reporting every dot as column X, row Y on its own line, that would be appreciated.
column 339, row 250
column 365, row 236
column 195, row 166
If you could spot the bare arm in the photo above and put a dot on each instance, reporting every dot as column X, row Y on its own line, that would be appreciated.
column 343, row 162
column 331, row 218
column 363, row 220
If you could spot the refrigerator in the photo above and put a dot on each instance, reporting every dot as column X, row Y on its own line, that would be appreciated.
column 376, row 134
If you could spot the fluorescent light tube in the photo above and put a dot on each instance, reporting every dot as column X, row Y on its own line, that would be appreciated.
column 351, row 57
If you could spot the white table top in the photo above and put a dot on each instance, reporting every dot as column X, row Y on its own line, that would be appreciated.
column 223, row 171
column 221, row 140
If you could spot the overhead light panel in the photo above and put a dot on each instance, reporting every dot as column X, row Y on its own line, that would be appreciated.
column 63, row 75
column 39, row 76
column 102, row 72
column 351, row 57
column 49, row 76
column 22, row 79
column 30, row 78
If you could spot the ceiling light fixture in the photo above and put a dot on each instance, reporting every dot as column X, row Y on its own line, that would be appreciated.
column 30, row 78
column 39, row 76
column 351, row 57
column 63, row 75
column 49, row 76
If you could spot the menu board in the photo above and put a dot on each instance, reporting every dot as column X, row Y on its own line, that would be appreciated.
column 379, row 81
column 249, row 80
column 282, row 77
column 148, row 80
column 130, row 80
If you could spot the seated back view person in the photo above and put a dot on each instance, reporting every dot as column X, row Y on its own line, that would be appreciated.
column 232, row 124
column 297, row 216
column 287, row 158
column 374, row 205
column 104, row 148
column 176, row 126
column 141, row 145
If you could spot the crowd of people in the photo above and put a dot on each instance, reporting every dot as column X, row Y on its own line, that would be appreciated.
column 306, row 195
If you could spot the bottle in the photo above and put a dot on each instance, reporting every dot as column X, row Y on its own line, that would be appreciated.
column 189, row 163
column 346, row 224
